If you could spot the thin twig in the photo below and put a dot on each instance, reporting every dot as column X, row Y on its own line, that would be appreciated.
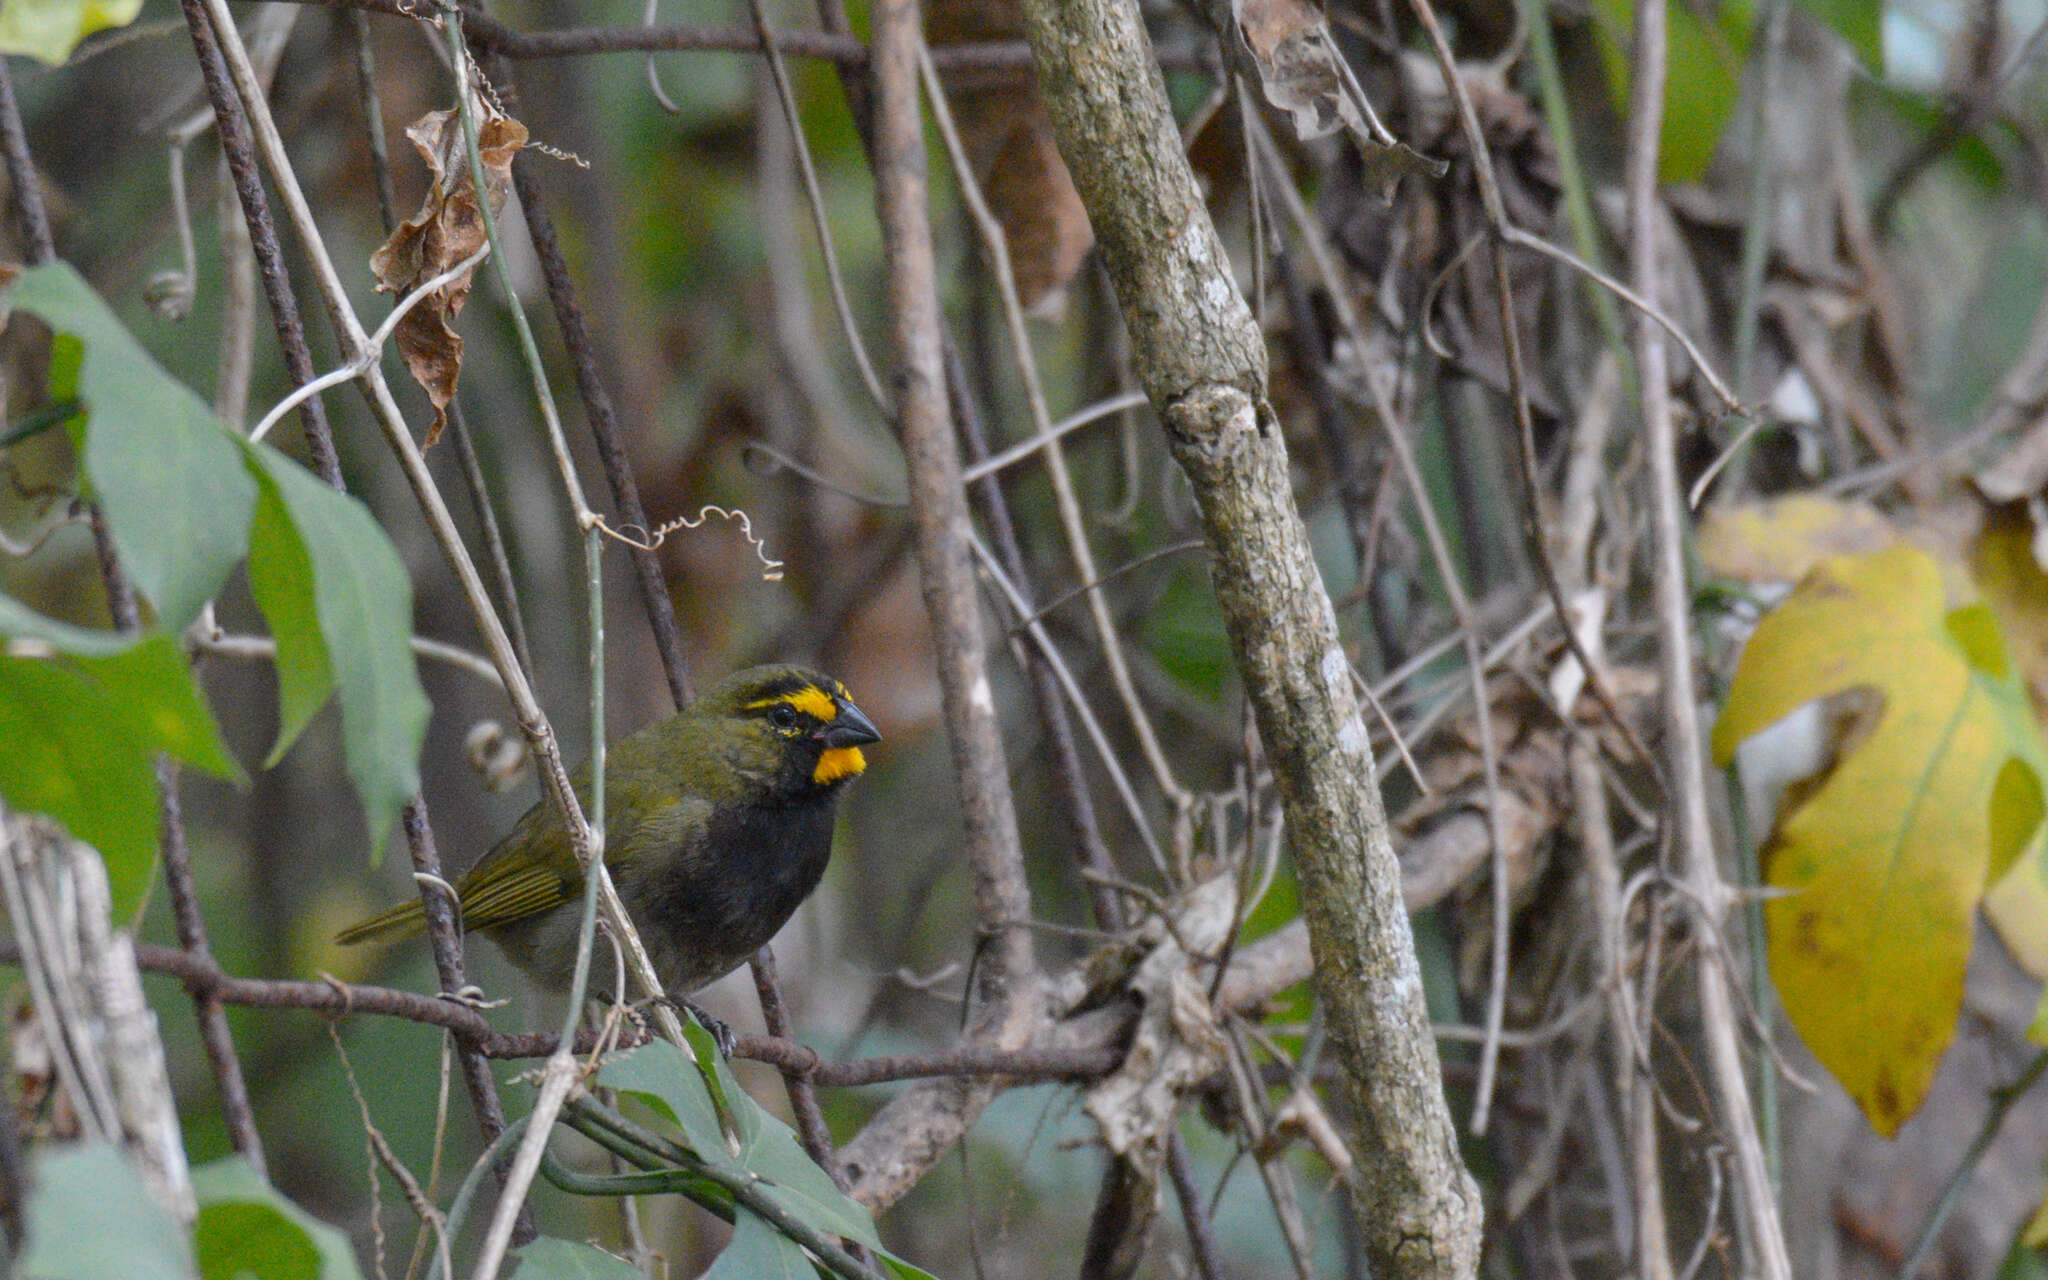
column 1075, row 697
column 22, row 182
column 2003, row 1099
column 803, row 1099
column 1073, row 800
column 1007, row 977
column 1065, row 501
column 601, row 416
column 814, row 197
column 237, row 101
column 1201, row 1231
column 1686, row 765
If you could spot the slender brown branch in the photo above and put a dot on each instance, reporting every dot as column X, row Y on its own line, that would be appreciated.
column 803, row 1099
column 1685, row 761
column 1201, row 1231
column 1074, row 803
column 445, row 937
column 887, row 1158
column 341, row 999
column 648, row 575
column 217, row 1040
column 238, row 147
column 846, row 50
column 21, row 175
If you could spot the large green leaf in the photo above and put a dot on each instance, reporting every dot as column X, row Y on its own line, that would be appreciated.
column 774, row 1154
column 180, row 496
column 551, row 1259
column 247, row 1229
column 759, row 1252
column 659, row 1074
column 90, row 1218
column 166, row 475
column 51, row 29
column 1883, row 865
column 363, row 603
column 81, row 712
column 1703, row 76
column 281, row 579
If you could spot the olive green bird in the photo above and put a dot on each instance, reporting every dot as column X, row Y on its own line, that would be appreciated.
column 719, row 823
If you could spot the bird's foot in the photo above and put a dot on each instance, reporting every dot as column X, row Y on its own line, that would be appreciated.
column 722, row 1034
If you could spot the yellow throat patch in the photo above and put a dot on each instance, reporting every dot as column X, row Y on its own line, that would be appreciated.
column 837, row 763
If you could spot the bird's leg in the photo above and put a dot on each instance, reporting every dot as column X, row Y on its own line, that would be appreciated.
column 722, row 1033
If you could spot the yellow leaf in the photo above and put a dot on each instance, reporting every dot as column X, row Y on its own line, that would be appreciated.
column 2036, row 1233
column 2003, row 563
column 2017, row 907
column 51, row 29
column 2003, row 566
column 1782, row 539
column 1886, row 861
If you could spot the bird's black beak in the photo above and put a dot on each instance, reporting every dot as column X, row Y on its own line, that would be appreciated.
column 849, row 729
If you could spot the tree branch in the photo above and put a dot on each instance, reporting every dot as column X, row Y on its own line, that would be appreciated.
column 1685, row 761
column 887, row 1158
column 1202, row 360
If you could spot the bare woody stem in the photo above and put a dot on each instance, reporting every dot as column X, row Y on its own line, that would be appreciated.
column 1684, row 758
column 1201, row 359
column 238, row 147
column 897, row 1146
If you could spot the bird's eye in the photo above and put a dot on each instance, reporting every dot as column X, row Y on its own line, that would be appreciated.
column 783, row 716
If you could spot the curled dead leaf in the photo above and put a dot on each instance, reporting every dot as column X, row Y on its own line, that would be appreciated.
column 1179, row 1041
column 1286, row 47
column 448, row 228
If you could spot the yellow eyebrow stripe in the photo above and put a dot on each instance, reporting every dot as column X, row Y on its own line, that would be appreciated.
column 811, row 700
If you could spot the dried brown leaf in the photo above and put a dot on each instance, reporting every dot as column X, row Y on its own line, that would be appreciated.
column 1286, row 46
column 448, row 228
column 1009, row 142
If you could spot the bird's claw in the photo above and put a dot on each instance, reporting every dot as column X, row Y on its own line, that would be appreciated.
column 722, row 1034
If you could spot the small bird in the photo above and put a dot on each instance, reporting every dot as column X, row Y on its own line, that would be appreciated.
column 718, row 820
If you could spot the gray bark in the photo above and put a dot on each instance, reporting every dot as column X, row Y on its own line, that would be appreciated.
column 1202, row 360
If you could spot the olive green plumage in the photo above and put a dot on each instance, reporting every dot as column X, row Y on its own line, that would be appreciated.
column 719, row 822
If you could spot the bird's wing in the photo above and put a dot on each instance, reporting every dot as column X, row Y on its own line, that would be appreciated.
column 505, row 886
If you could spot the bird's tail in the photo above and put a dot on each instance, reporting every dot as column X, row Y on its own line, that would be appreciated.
column 406, row 920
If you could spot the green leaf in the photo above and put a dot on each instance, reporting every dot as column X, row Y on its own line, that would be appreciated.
column 81, row 719
column 775, row 1155
column 246, row 1228
column 165, row 473
column 1885, row 862
column 363, row 600
column 281, row 579
column 58, row 762
column 1703, row 77
column 81, row 1192
column 759, row 1252
column 905, row 1270
column 1860, row 22
column 551, row 1259
column 50, row 29
column 658, row 1073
